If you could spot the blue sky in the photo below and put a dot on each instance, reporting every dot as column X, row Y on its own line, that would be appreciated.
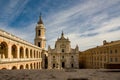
column 85, row 22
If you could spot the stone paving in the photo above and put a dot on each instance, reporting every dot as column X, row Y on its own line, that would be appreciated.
column 80, row 74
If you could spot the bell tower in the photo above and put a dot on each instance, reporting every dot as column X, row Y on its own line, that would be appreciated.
column 40, row 39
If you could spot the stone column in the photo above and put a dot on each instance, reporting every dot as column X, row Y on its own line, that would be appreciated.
column 18, row 52
column 24, row 53
column 28, row 53
column 32, row 54
column 9, row 51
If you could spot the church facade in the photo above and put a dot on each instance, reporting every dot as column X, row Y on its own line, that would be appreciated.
column 63, row 56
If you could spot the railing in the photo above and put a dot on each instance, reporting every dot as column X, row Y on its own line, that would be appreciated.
column 18, row 60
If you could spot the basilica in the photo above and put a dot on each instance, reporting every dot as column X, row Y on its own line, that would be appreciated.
column 16, row 53
column 63, row 56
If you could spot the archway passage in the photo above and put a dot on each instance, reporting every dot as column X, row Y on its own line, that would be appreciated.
column 21, row 67
column 46, row 61
column 63, row 64
column 3, row 50
column 27, row 54
column 14, row 51
column 14, row 68
column 21, row 52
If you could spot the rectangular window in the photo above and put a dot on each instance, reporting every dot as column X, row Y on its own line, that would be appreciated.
column 111, row 60
column 116, row 51
column 111, row 51
column 39, row 44
column 116, row 59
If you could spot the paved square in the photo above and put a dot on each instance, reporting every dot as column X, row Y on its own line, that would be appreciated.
column 82, row 74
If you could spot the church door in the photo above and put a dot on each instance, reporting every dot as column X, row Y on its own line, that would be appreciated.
column 63, row 64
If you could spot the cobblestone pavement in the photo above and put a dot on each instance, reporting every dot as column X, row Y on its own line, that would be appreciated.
column 77, row 74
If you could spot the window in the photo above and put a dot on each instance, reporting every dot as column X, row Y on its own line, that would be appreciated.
column 116, row 59
column 116, row 51
column 104, row 58
column 53, row 65
column 39, row 32
column 53, row 56
column 111, row 59
column 71, row 56
column 111, row 51
column 39, row 44
column 72, row 65
column 63, row 50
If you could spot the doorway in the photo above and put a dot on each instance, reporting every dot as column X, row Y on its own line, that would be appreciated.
column 63, row 64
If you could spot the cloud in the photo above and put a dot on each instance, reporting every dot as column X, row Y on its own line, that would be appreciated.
column 27, row 33
column 86, row 23
column 12, row 10
column 95, row 24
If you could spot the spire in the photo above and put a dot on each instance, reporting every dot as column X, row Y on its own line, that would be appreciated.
column 62, row 35
column 40, row 19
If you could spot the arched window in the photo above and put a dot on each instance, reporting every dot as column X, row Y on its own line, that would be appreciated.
column 39, row 32
column 3, row 50
column 72, row 65
column 53, row 65
column 14, row 51
column 39, row 44
column 63, row 50
column 115, row 50
column 21, row 52
column 71, row 56
column 53, row 56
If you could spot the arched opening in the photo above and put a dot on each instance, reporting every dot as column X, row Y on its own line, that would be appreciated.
column 53, row 65
column 37, row 65
column 27, row 55
column 4, row 68
column 31, row 53
column 14, row 68
column 27, row 66
column 46, row 61
column 14, row 51
column 3, row 50
column 21, row 52
column 21, row 67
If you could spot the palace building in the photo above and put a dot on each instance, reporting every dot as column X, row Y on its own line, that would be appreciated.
column 16, row 53
column 104, row 56
column 63, row 56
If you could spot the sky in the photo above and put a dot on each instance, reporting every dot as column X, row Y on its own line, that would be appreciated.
column 85, row 22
